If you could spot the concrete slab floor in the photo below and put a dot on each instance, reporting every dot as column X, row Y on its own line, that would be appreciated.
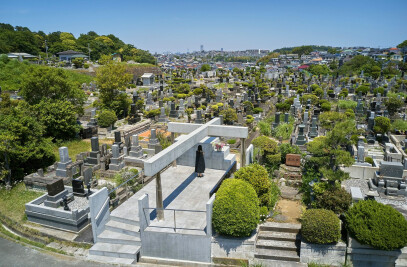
column 182, row 189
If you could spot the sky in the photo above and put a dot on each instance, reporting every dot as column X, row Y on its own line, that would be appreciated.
column 182, row 25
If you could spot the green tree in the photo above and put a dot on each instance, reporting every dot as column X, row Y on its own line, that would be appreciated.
column 106, row 118
column 205, row 67
column 49, row 83
column 59, row 119
column 229, row 115
column 23, row 142
column 110, row 79
column 382, row 125
column 393, row 104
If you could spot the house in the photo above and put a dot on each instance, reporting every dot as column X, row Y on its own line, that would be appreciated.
column 20, row 56
column 70, row 54
column 147, row 78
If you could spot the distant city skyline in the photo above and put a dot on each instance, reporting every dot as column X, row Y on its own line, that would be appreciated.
column 182, row 26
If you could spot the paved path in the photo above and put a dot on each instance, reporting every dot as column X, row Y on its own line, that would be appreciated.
column 14, row 254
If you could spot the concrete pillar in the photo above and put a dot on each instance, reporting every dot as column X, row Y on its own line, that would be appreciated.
column 174, row 163
column 243, row 152
column 159, row 197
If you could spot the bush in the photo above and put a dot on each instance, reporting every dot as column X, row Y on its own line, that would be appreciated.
column 320, row 226
column 275, row 194
column 106, row 118
column 326, row 106
column 236, row 209
column 347, row 104
column 257, row 176
column 377, row 225
column 369, row 160
column 232, row 141
column 337, row 200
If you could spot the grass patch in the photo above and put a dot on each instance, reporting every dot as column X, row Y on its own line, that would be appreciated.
column 12, row 203
column 29, row 242
column 74, row 147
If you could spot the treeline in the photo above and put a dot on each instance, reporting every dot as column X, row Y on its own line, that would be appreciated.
column 22, row 39
column 306, row 49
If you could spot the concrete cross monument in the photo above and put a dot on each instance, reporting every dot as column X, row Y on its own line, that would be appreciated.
column 194, row 134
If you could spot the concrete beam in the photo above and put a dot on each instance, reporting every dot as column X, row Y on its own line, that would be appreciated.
column 228, row 131
column 179, row 127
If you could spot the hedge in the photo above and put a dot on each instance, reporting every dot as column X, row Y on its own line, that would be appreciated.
column 257, row 176
column 320, row 226
column 337, row 200
column 377, row 225
column 236, row 210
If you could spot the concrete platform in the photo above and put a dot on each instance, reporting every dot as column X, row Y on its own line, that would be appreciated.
column 182, row 189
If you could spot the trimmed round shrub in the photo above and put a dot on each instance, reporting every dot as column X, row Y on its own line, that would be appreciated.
column 326, row 106
column 257, row 176
column 236, row 210
column 106, row 118
column 320, row 226
column 337, row 200
column 377, row 225
column 369, row 160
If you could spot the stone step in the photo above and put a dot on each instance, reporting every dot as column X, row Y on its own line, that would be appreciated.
column 282, row 236
column 124, row 220
column 401, row 263
column 108, row 236
column 276, row 263
column 276, row 245
column 278, row 255
column 115, row 250
column 280, row 227
column 123, row 228
column 113, row 260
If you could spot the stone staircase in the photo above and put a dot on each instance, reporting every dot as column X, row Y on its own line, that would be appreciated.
column 278, row 244
column 119, row 243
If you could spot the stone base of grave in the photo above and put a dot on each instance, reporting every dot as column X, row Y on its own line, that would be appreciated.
column 71, row 220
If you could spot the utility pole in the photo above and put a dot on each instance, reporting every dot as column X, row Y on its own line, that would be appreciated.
column 46, row 49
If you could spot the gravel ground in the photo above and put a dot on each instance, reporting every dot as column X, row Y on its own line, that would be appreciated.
column 400, row 201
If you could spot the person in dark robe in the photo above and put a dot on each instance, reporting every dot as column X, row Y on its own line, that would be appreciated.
column 199, row 162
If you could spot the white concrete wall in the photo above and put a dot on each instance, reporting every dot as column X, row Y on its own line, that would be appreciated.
column 213, row 159
column 99, row 211
column 361, row 172
column 176, row 246
column 331, row 254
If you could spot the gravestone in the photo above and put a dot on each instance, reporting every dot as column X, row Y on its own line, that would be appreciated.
column 301, row 140
column 286, row 117
column 94, row 155
column 87, row 175
column 116, row 162
column 63, row 162
column 77, row 187
column 314, row 130
column 153, row 141
column 361, row 154
column 198, row 117
column 163, row 117
column 173, row 111
column 136, row 150
column 293, row 160
column 276, row 120
column 117, row 138
column 55, row 187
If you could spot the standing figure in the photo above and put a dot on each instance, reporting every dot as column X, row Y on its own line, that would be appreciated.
column 199, row 162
